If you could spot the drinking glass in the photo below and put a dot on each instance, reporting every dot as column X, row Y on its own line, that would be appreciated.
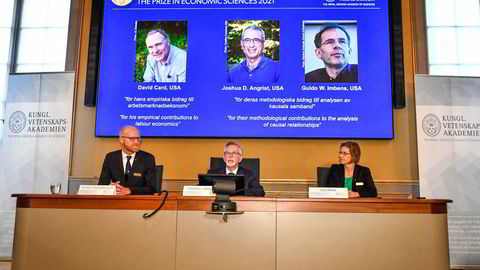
column 55, row 188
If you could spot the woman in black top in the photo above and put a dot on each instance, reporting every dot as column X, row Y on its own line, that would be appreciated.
column 357, row 179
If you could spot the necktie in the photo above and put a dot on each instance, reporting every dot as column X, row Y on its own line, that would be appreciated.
column 231, row 173
column 128, row 168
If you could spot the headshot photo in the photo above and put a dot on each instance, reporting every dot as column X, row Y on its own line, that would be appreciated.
column 253, row 51
column 330, row 51
column 161, row 51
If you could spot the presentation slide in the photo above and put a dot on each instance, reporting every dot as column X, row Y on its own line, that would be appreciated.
column 246, row 68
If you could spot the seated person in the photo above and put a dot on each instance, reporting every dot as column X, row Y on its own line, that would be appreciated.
column 130, row 170
column 232, row 155
column 357, row 179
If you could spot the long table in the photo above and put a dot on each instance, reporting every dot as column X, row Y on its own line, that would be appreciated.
column 109, row 232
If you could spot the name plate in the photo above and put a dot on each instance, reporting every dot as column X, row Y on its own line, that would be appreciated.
column 198, row 191
column 97, row 190
column 321, row 192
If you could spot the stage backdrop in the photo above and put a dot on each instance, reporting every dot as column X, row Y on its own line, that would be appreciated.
column 36, row 142
column 448, row 133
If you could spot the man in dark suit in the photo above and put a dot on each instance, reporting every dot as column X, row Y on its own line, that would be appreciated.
column 130, row 170
column 232, row 156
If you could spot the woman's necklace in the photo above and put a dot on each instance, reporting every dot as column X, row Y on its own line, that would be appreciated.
column 349, row 171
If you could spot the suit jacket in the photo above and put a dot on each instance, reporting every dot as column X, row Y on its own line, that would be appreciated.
column 362, row 181
column 252, row 184
column 142, row 180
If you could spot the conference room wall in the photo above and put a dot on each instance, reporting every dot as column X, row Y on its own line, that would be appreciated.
column 282, row 160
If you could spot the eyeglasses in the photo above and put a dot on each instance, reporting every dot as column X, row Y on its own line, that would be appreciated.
column 343, row 153
column 226, row 153
column 331, row 42
column 254, row 40
column 132, row 139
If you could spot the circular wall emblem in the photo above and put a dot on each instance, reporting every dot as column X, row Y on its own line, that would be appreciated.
column 17, row 121
column 431, row 125
column 121, row 2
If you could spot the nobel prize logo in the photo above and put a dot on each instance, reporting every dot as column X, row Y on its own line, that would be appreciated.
column 431, row 125
column 121, row 2
column 17, row 121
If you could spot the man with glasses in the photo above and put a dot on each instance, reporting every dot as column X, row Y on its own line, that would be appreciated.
column 333, row 48
column 232, row 155
column 256, row 67
column 130, row 170
column 165, row 62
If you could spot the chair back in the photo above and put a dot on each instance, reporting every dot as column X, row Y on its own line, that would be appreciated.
column 159, row 178
column 75, row 183
column 322, row 174
column 250, row 163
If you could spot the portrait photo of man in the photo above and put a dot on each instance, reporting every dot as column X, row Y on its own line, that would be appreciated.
column 330, row 52
column 256, row 58
column 161, row 52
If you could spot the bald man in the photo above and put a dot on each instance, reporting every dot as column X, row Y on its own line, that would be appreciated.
column 130, row 170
